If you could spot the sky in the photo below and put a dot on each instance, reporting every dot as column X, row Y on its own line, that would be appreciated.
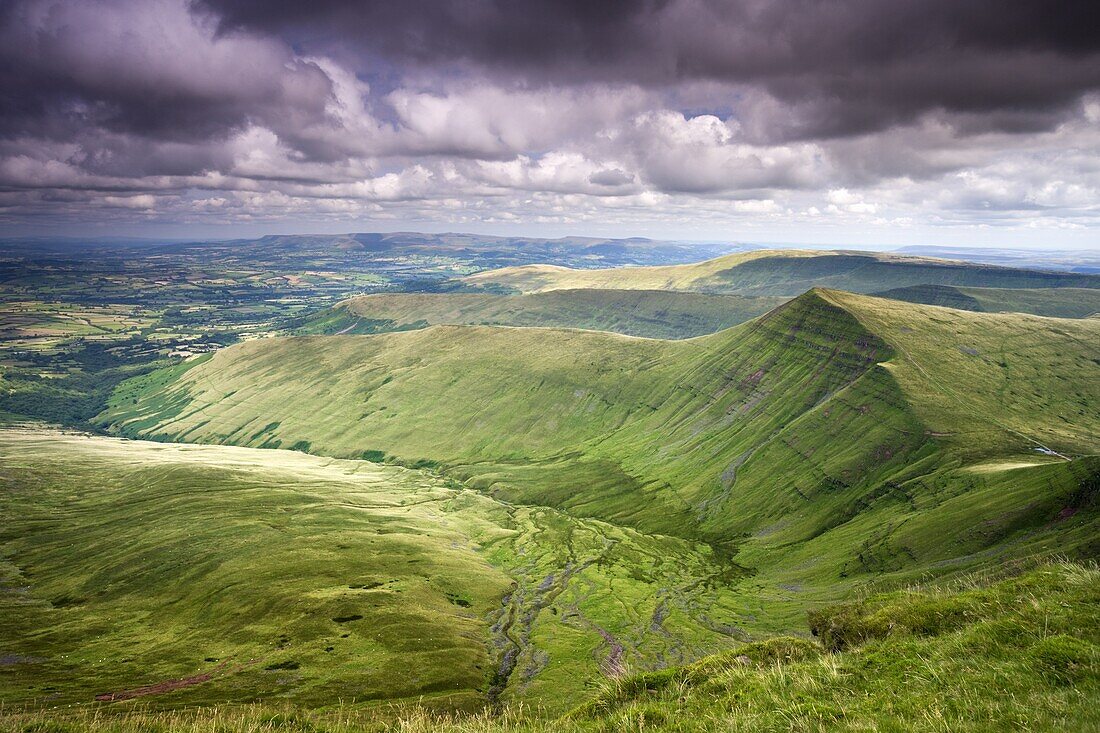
column 888, row 122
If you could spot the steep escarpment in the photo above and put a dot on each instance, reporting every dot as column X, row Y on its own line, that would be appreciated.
column 649, row 313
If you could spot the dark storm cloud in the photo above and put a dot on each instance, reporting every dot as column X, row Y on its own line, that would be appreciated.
column 144, row 69
column 541, row 110
column 833, row 69
column 845, row 67
column 523, row 35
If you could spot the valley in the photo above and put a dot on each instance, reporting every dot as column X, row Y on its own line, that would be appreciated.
column 552, row 490
column 469, row 366
column 283, row 575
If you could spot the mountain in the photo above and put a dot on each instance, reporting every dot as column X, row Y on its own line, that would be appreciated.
column 782, row 273
column 529, row 509
column 650, row 313
column 866, row 427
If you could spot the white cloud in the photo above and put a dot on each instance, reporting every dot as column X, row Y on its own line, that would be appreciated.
column 141, row 201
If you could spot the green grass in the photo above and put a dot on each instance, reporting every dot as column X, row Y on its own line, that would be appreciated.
column 782, row 273
column 1021, row 653
column 129, row 564
column 289, row 577
column 990, row 381
column 832, row 441
column 576, row 505
column 713, row 437
column 650, row 313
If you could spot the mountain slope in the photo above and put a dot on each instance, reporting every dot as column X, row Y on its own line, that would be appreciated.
column 832, row 425
column 924, row 659
column 650, row 313
column 781, row 273
column 174, row 575
column 598, row 411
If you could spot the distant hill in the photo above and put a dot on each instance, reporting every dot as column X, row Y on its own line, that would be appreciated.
column 479, row 250
column 684, row 301
column 1069, row 260
column 649, row 313
column 782, row 273
column 1057, row 302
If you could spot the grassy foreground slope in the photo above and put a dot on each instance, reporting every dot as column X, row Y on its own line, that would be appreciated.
column 177, row 575
column 127, row 565
column 1022, row 653
column 835, row 437
column 781, row 273
column 1055, row 302
column 651, row 313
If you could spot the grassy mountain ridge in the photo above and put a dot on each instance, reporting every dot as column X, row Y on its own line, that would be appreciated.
column 836, row 419
column 595, row 382
column 650, row 313
column 782, row 273
column 595, row 395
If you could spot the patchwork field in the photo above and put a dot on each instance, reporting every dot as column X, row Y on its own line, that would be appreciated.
column 34, row 324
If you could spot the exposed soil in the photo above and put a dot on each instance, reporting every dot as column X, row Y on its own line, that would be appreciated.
column 349, row 328
column 613, row 666
column 160, row 687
